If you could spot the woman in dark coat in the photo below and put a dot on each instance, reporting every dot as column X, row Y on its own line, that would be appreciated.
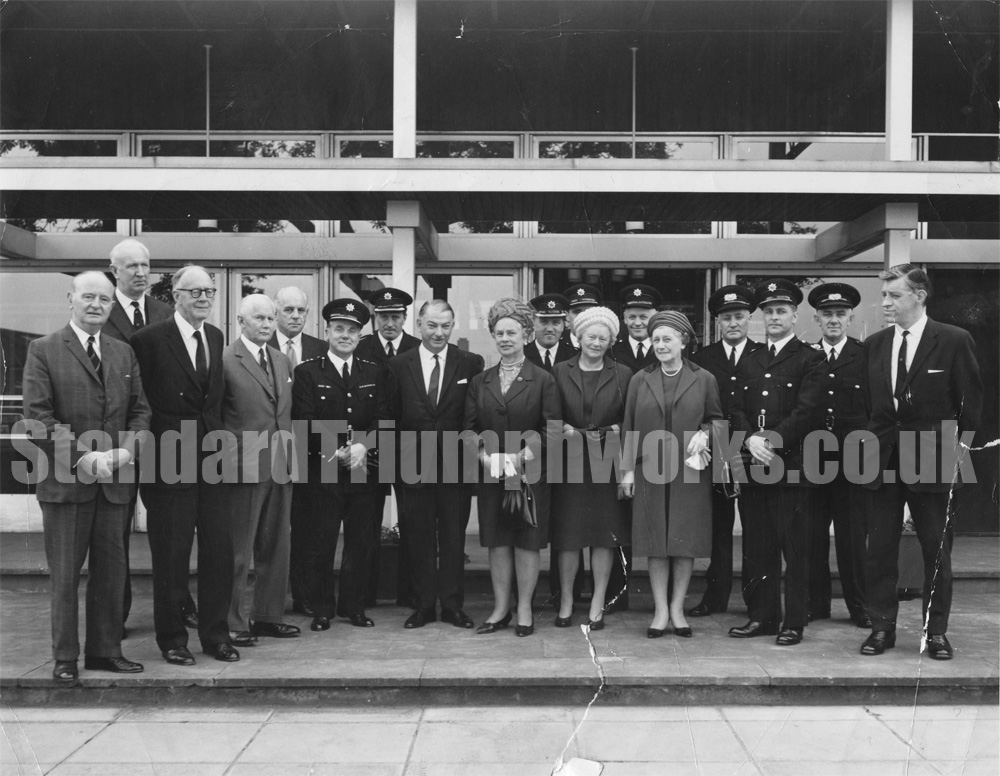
column 512, row 398
column 670, row 406
column 586, row 511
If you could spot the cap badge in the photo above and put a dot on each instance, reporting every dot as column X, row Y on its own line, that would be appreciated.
column 350, row 308
column 580, row 292
column 831, row 297
column 387, row 295
column 730, row 297
column 637, row 292
column 552, row 304
column 772, row 287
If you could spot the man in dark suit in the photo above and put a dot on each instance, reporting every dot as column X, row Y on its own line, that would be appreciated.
column 258, row 400
column 80, row 380
column 132, row 309
column 292, row 310
column 341, row 389
column 549, row 347
column 778, row 391
column 838, row 501
column 388, row 306
column 427, row 396
column 732, row 307
column 924, row 398
column 638, row 302
column 181, row 363
column 580, row 296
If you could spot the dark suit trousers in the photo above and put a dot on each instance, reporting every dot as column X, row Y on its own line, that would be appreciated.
column 71, row 530
column 436, row 544
column 719, row 577
column 841, row 503
column 172, row 516
column 775, row 523
column 884, row 512
column 300, row 533
column 328, row 509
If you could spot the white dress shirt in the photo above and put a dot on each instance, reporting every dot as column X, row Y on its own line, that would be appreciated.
column 83, row 336
column 187, row 334
column 296, row 345
column 912, row 340
column 256, row 350
column 780, row 344
column 338, row 363
column 385, row 343
column 551, row 351
column 427, row 366
column 126, row 304
column 728, row 350
column 827, row 347
column 646, row 345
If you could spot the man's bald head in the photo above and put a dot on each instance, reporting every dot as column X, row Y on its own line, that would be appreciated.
column 130, row 265
column 291, row 308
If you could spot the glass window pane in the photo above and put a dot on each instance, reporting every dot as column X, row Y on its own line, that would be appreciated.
column 959, row 148
column 250, row 148
column 27, row 147
column 357, row 149
column 269, row 284
column 64, row 225
column 615, row 149
column 276, row 226
column 813, row 151
column 465, row 149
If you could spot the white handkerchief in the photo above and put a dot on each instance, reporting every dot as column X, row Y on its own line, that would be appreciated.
column 463, row 381
column 934, row 371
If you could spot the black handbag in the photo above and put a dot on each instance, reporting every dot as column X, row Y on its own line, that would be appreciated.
column 519, row 505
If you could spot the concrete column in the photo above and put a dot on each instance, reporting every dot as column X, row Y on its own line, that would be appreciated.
column 404, row 80
column 404, row 265
column 897, row 247
column 899, row 80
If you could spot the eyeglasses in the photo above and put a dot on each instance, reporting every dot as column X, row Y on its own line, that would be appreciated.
column 197, row 292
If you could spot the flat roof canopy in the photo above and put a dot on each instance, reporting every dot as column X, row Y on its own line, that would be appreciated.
column 474, row 190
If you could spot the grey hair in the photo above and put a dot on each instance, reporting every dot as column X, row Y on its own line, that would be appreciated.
column 435, row 305
column 915, row 277
column 281, row 292
column 179, row 274
column 250, row 301
column 125, row 246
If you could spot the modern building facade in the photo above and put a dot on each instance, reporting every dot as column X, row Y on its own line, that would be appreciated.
column 474, row 149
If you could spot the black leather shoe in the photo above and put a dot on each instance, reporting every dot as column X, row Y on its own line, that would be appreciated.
column 420, row 618
column 242, row 638
column 301, row 607
column 753, row 629
column 789, row 637
column 939, row 648
column 701, row 610
column 179, row 656
column 116, row 665
column 684, row 633
column 361, row 621
column 564, row 622
column 655, row 633
column 524, row 630
column 596, row 625
column 456, row 617
column 276, row 630
column 493, row 627
column 878, row 642
column 65, row 671
column 320, row 624
column 191, row 620
column 223, row 651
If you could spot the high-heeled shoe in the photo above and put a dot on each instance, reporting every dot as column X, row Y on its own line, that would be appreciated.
column 655, row 633
column 596, row 625
column 563, row 622
column 525, row 630
column 493, row 627
column 684, row 633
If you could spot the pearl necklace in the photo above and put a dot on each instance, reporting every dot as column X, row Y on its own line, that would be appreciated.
column 672, row 374
column 511, row 366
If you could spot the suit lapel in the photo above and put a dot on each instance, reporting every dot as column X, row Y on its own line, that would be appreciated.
column 927, row 343
column 448, row 378
column 885, row 360
column 786, row 352
column 417, row 375
column 525, row 376
column 685, row 382
column 492, row 383
column 655, row 383
column 176, row 344
column 73, row 343
column 119, row 320
column 252, row 366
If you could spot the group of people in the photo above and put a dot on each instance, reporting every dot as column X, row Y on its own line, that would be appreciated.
column 566, row 387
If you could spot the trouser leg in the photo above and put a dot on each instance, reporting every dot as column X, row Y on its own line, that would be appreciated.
column 171, row 514
column 271, row 551
column 106, row 579
column 66, row 530
column 791, row 512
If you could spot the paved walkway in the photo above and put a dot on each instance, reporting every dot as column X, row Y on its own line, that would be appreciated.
column 490, row 741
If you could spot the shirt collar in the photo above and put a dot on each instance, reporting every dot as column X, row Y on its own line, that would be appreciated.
column 126, row 302
column 186, row 329
column 634, row 344
column 738, row 348
column 781, row 343
column 827, row 347
column 83, row 336
column 253, row 347
column 426, row 355
column 916, row 330
column 283, row 340
column 543, row 350
column 338, row 362
column 385, row 343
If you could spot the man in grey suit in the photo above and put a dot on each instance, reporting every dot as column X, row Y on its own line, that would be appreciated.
column 292, row 310
column 256, row 406
column 80, row 380
column 132, row 309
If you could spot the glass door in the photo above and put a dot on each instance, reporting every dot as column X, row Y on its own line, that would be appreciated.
column 263, row 280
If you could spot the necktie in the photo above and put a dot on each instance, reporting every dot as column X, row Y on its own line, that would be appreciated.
column 833, row 355
column 290, row 352
column 94, row 358
column 432, row 391
column 137, row 320
column 732, row 358
column 390, row 351
column 772, row 352
column 200, row 361
column 901, row 368
column 262, row 357
column 639, row 352
column 548, row 359
column 346, row 372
